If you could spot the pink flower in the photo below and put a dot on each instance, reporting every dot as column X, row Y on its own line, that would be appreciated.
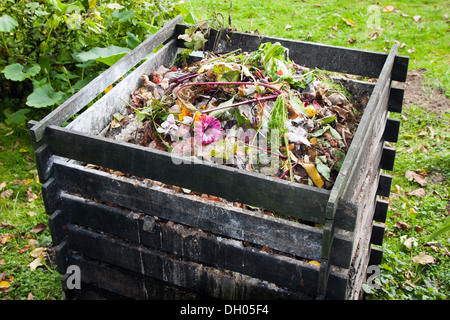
column 207, row 129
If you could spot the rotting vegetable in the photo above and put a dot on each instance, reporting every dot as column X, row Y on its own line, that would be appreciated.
column 256, row 111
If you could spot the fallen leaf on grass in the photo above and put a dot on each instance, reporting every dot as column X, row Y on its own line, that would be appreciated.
column 402, row 225
column 2, row 185
column 4, row 285
column 412, row 175
column 39, row 254
column 388, row 9
column 30, row 195
column 349, row 22
column 373, row 36
column 351, row 40
column 417, row 18
column 6, row 194
column 417, row 193
column 412, row 50
column 4, row 238
column 39, row 227
column 423, row 258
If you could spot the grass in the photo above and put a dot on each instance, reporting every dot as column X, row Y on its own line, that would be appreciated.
column 425, row 41
column 19, row 214
column 318, row 21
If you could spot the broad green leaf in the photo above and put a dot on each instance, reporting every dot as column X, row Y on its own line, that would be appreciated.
column 323, row 169
column 222, row 105
column 108, row 55
column 7, row 23
column 190, row 18
column 43, row 97
column 64, row 8
column 17, row 117
column 17, row 72
column 124, row 15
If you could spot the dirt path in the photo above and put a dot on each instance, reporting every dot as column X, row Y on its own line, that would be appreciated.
column 416, row 92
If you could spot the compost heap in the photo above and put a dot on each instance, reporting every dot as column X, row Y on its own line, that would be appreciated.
column 254, row 111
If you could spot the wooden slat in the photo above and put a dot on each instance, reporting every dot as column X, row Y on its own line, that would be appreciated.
column 111, row 282
column 376, row 255
column 279, row 234
column 280, row 196
column 196, row 277
column 190, row 243
column 312, row 55
column 384, row 186
column 100, row 114
column 79, row 100
column 355, row 159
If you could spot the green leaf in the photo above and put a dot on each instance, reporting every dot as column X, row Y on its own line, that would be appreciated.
column 43, row 97
column 297, row 104
column 327, row 120
column 64, row 8
column 190, row 18
column 17, row 72
column 222, row 105
column 124, row 15
column 108, row 55
column 7, row 23
column 323, row 169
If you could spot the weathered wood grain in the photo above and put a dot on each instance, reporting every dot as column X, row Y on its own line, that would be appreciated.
column 276, row 233
column 196, row 277
column 282, row 197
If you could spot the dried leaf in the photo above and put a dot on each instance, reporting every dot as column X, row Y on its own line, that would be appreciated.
column 3, row 184
column 4, row 238
column 402, row 225
column 388, row 9
column 423, row 258
column 412, row 175
column 38, row 253
column 349, row 22
column 373, row 36
column 39, row 227
column 417, row 193
column 410, row 242
column 35, row 263
column 351, row 40
column 313, row 174
column 417, row 18
column 30, row 195
column 314, row 262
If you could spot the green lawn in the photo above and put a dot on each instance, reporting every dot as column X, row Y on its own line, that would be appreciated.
column 425, row 39
column 423, row 144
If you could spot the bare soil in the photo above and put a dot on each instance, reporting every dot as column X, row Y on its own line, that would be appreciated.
column 418, row 93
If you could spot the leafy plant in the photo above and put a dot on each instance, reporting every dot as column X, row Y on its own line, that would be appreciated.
column 51, row 49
